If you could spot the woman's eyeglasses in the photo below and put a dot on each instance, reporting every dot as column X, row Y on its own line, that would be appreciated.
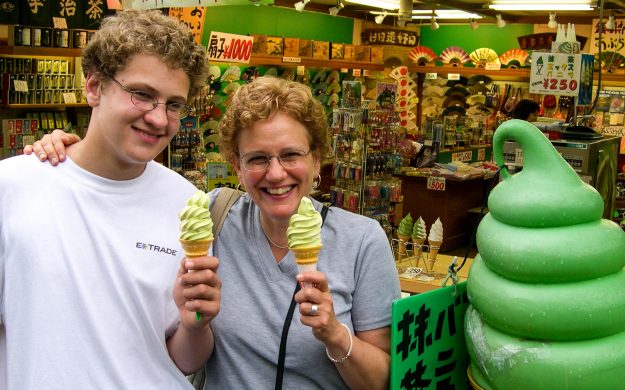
column 256, row 162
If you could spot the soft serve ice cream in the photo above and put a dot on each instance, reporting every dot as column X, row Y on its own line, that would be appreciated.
column 419, row 235
column 435, row 240
column 403, row 232
column 195, row 219
column 547, row 290
column 304, row 235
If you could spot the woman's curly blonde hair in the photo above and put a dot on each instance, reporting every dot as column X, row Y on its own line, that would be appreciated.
column 265, row 97
column 131, row 32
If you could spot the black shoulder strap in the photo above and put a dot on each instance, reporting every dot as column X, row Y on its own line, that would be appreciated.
column 288, row 319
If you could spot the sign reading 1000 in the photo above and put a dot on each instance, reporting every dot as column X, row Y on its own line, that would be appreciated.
column 229, row 47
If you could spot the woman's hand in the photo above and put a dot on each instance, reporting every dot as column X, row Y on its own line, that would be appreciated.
column 51, row 147
column 317, row 310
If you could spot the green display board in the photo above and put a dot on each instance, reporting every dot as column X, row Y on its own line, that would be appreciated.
column 277, row 21
column 427, row 340
column 490, row 36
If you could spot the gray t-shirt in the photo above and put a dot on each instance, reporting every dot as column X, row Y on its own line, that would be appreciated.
column 256, row 293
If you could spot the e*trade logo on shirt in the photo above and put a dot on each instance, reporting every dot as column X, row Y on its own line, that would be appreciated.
column 156, row 248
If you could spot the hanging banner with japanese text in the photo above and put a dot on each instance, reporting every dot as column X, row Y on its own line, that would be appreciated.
column 389, row 36
column 193, row 17
column 428, row 350
column 77, row 14
column 562, row 75
column 612, row 40
column 226, row 47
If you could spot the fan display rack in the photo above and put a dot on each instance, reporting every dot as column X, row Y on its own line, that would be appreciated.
column 365, row 143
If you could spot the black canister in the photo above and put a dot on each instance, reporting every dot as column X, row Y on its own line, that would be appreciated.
column 61, row 38
column 46, row 37
column 17, row 35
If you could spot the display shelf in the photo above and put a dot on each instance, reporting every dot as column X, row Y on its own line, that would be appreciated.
column 502, row 73
column 44, row 106
column 258, row 60
column 39, row 51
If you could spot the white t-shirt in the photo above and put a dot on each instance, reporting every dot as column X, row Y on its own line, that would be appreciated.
column 87, row 267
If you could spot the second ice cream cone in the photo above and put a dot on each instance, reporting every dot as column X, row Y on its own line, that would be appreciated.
column 417, row 247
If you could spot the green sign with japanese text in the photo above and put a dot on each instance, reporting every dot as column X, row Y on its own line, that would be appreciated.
column 427, row 340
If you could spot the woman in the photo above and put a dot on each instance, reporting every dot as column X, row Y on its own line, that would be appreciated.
column 274, row 134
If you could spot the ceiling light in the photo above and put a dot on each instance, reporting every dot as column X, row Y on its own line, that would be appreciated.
column 380, row 18
column 473, row 25
column 500, row 22
column 434, row 24
column 300, row 5
column 610, row 24
column 384, row 4
column 552, row 20
column 335, row 10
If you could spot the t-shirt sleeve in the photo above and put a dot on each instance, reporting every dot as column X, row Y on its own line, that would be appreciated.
column 376, row 281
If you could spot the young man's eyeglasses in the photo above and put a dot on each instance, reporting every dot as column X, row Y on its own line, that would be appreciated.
column 147, row 102
column 256, row 162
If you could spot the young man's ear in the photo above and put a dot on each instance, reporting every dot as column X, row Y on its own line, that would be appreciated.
column 93, row 89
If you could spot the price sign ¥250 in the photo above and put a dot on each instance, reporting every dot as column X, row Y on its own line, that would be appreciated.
column 226, row 47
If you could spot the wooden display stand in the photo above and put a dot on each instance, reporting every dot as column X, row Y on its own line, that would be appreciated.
column 450, row 205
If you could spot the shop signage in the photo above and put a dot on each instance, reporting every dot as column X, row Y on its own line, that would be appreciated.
column 428, row 348
column 193, row 17
column 467, row 155
column 436, row 183
column 562, row 75
column 390, row 37
column 611, row 39
column 226, row 47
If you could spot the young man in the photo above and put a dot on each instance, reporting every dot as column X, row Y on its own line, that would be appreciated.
column 94, row 289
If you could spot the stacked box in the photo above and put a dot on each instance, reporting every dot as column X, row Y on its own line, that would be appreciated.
column 274, row 46
column 291, row 47
column 337, row 51
column 259, row 44
column 305, row 48
column 377, row 54
column 362, row 53
column 321, row 50
column 349, row 52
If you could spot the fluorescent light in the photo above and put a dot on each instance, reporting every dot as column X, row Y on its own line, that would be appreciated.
column 384, row 4
column 541, row 7
column 565, row 2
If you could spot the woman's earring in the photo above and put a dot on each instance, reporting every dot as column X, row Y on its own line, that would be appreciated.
column 316, row 182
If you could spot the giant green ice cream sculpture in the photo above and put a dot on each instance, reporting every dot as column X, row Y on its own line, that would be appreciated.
column 547, row 290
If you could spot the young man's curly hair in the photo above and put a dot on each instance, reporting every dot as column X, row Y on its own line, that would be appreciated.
column 265, row 97
column 131, row 32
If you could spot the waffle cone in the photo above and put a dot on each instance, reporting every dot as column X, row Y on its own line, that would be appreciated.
column 435, row 246
column 402, row 243
column 306, row 257
column 417, row 246
column 195, row 248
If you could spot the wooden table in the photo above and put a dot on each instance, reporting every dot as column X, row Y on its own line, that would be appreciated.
column 414, row 286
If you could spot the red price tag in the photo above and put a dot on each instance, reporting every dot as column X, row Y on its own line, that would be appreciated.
column 560, row 84
column 436, row 183
column 229, row 47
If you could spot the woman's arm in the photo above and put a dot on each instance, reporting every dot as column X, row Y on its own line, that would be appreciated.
column 51, row 146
